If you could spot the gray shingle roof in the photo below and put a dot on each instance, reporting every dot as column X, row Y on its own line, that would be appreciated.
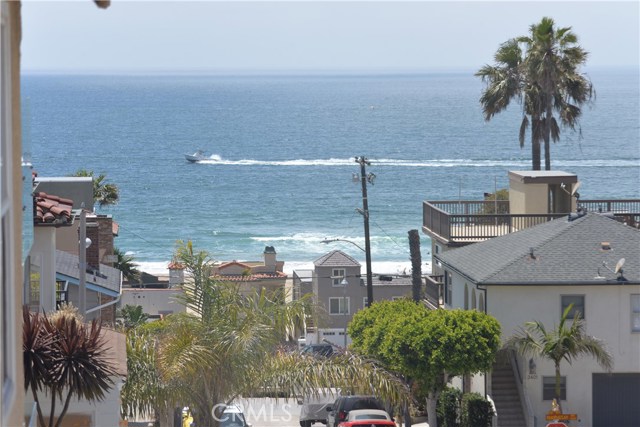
column 563, row 252
column 336, row 258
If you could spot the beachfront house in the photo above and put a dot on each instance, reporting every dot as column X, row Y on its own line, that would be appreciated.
column 589, row 260
column 253, row 276
column 338, row 286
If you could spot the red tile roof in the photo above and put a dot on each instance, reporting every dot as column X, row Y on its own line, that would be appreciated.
column 51, row 210
column 251, row 277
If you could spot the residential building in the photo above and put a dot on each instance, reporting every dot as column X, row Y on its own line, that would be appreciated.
column 158, row 296
column 12, row 190
column 339, row 287
column 589, row 260
column 253, row 275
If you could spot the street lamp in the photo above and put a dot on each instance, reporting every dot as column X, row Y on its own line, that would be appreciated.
column 344, row 284
column 325, row 241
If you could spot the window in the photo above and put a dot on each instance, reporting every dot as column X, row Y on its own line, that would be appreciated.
column 466, row 296
column 635, row 313
column 339, row 305
column 448, row 288
column 337, row 275
column 549, row 388
column 364, row 302
column 578, row 305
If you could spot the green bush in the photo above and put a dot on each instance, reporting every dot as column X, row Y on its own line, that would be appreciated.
column 476, row 411
column 449, row 407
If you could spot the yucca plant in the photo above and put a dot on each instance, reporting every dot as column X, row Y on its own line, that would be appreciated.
column 64, row 357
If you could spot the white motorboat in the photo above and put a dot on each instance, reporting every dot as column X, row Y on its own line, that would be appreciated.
column 196, row 157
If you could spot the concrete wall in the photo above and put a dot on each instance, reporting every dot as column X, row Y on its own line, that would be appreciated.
column 79, row 189
column 153, row 301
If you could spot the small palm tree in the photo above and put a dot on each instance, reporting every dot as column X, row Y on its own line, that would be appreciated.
column 103, row 194
column 561, row 343
column 64, row 357
column 132, row 316
column 125, row 263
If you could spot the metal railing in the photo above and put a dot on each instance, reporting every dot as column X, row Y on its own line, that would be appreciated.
column 470, row 221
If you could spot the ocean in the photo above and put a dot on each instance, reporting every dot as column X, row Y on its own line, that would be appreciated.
column 283, row 149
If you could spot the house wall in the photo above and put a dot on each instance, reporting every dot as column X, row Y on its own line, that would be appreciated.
column 11, row 275
column 154, row 302
column 79, row 189
column 528, row 198
column 324, row 290
column 43, row 253
column 607, row 316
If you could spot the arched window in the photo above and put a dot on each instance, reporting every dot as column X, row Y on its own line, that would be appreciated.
column 473, row 299
column 466, row 297
column 481, row 303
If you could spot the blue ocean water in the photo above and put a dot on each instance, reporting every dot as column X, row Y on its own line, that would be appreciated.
column 285, row 148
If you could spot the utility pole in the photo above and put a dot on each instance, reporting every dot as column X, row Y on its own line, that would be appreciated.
column 363, row 162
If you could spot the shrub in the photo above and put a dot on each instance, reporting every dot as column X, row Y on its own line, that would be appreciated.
column 449, row 407
column 476, row 411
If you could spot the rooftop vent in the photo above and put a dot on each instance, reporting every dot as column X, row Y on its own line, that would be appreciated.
column 385, row 278
column 605, row 246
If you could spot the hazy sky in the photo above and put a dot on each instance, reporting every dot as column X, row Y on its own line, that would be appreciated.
column 308, row 35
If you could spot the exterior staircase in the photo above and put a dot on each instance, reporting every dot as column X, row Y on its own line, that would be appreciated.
column 505, row 393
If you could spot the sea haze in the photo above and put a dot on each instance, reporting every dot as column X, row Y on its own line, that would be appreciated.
column 283, row 152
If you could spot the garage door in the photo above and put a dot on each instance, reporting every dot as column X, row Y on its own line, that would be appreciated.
column 615, row 400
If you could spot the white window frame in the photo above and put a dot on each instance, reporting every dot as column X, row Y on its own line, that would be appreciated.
column 635, row 313
column 564, row 305
column 341, row 302
column 337, row 276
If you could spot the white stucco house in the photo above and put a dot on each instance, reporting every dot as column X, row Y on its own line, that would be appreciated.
column 533, row 274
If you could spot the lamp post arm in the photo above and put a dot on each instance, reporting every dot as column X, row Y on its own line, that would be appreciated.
column 343, row 240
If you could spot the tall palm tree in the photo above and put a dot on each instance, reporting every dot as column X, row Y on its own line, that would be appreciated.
column 552, row 65
column 125, row 263
column 564, row 342
column 541, row 71
column 103, row 194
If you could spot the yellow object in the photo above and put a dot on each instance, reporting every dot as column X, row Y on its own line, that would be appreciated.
column 187, row 419
column 555, row 408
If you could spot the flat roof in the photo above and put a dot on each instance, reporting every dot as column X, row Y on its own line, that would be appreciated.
column 543, row 177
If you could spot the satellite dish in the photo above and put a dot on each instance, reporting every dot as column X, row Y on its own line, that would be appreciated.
column 619, row 266
column 575, row 188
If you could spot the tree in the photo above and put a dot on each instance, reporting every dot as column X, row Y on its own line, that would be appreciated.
column 103, row 194
column 132, row 316
column 64, row 357
column 563, row 342
column 416, row 265
column 230, row 344
column 541, row 71
column 426, row 346
column 125, row 263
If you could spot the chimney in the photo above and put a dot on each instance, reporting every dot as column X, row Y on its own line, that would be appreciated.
column 176, row 274
column 270, row 258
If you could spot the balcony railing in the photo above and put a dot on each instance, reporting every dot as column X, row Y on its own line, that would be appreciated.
column 465, row 222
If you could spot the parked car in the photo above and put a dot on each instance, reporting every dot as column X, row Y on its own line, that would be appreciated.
column 367, row 418
column 313, row 408
column 318, row 350
column 337, row 412
column 233, row 417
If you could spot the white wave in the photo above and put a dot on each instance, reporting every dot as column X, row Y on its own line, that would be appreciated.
column 159, row 268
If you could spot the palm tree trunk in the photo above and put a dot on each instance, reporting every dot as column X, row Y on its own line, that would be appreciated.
column 38, row 408
column 558, row 386
column 547, row 137
column 535, row 146
column 64, row 409
column 416, row 261
column 52, row 411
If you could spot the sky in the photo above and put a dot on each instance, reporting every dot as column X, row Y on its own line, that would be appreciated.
column 239, row 36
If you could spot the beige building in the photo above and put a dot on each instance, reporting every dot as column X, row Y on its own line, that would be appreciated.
column 13, row 166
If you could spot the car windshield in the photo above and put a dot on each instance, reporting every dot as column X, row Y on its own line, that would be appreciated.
column 370, row 417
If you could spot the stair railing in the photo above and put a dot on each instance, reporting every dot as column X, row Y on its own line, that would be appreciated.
column 527, row 410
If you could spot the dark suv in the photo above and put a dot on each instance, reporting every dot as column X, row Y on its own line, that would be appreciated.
column 341, row 407
column 321, row 350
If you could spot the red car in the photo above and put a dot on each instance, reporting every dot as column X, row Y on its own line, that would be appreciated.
column 367, row 418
